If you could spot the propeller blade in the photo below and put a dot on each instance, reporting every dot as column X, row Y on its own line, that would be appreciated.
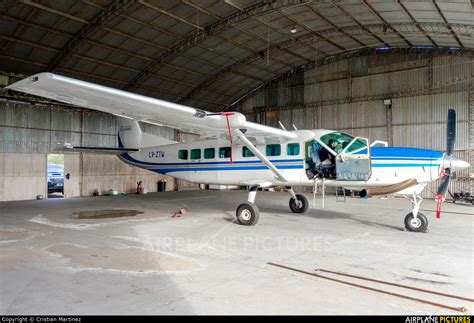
column 442, row 190
column 451, row 131
column 443, row 187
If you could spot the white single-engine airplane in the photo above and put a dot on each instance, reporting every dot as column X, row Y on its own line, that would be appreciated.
column 234, row 151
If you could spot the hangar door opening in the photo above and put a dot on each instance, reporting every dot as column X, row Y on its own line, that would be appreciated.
column 55, row 175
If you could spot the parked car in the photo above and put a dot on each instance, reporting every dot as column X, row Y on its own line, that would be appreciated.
column 55, row 178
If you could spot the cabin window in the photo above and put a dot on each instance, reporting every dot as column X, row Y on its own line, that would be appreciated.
column 247, row 152
column 293, row 149
column 183, row 154
column 273, row 150
column 224, row 152
column 209, row 153
column 195, row 153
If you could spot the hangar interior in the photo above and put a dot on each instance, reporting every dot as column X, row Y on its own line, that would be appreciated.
column 384, row 70
column 308, row 63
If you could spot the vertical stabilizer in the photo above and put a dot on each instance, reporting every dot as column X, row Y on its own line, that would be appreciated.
column 130, row 135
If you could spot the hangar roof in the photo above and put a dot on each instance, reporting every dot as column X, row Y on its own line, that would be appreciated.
column 209, row 53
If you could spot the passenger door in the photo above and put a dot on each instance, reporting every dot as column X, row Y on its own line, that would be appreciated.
column 353, row 162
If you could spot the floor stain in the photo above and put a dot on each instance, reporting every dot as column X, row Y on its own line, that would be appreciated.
column 131, row 259
column 10, row 257
column 432, row 273
column 103, row 214
column 7, row 235
column 427, row 281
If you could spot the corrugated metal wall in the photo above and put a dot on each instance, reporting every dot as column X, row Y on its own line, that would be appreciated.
column 348, row 95
column 29, row 132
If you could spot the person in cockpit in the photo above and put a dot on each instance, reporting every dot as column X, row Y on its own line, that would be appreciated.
column 334, row 146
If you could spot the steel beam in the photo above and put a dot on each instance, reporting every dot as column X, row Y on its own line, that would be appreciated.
column 95, row 25
column 309, row 37
column 348, row 14
column 199, row 37
column 109, row 79
column 322, row 17
column 127, row 36
column 440, row 12
column 271, row 26
column 347, row 55
column 416, row 22
column 387, row 24
column 310, row 30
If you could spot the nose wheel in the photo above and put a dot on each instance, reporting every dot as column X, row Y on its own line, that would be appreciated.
column 418, row 224
column 416, row 221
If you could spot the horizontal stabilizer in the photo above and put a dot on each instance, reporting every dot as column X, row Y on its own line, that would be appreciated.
column 101, row 150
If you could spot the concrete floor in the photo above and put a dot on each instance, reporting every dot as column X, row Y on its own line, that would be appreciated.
column 203, row 262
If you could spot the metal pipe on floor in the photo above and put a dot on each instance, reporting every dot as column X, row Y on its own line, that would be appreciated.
column 396, row 285
column 453, row 308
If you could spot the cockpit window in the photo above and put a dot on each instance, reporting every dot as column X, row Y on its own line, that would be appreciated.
column 338, row 141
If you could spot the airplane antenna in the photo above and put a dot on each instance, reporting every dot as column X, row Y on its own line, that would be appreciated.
column 281, row 125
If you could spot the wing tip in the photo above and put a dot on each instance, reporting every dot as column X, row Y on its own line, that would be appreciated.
column 31, row 79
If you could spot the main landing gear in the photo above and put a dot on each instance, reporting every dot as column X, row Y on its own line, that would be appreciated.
column 249, row 214
column 416, row 221
column 298, row 202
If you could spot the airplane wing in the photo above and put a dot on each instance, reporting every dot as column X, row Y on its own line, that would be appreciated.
column 142, row 108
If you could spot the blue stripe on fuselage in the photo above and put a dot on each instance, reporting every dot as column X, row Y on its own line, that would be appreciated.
column 230, row 168
column 382, row 157
column 397, row 153
column 257, row 161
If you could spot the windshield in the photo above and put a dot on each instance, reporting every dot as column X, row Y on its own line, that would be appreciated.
column 338, row 141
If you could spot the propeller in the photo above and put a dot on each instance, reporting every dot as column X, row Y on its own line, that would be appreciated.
column 446, row 172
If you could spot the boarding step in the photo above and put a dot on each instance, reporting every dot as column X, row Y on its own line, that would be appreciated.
column 340, row 194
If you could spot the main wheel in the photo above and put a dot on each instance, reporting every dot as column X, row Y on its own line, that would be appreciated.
column 420, row 224
column 300, row 205
column 247, row 214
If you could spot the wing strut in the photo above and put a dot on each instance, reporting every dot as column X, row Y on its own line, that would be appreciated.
column 260, row 156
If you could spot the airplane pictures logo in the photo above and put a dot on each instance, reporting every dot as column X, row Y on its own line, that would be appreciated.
column 438, row 319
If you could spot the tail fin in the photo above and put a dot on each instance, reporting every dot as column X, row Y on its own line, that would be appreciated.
column 131, row 135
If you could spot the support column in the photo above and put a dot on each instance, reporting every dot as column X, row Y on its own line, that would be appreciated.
column 389, row 124
column 471, row 135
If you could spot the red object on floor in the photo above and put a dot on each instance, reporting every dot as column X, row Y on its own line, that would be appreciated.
column 181, row 211
column 139, row 187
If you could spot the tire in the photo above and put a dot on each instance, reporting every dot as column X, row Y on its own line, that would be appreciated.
column 302, row 205
column 247, row 214
column 421, row 225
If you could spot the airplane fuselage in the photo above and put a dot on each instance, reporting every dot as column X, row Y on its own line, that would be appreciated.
column 208, row 162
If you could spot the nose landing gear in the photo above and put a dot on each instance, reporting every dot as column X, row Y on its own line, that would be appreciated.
column 416, row 221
